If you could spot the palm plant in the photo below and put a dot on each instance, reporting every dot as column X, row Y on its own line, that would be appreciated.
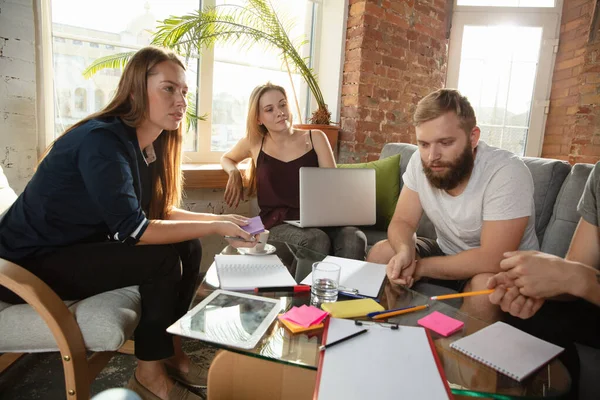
column 256, row 22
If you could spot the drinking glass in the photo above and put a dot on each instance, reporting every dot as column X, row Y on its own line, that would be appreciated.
column 325, row 281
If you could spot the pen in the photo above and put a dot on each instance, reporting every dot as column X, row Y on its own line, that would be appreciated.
column 328, row 345
column 371, row 315
column 465, row 294
column 400, row 312
column 295, row 289
column 239, row 238
column 347, row 289
column 355, row 296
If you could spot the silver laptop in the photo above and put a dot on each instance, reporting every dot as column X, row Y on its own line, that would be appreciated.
column 336, row 197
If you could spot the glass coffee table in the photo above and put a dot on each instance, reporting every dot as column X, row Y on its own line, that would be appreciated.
column 466, row 376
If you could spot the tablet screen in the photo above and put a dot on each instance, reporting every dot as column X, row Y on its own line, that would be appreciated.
column 231, row 317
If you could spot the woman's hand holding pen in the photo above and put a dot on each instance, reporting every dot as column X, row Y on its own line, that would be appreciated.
column 237, row 236
column 234, row 191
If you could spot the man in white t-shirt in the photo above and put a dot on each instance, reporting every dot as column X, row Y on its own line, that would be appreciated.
column 478, row 197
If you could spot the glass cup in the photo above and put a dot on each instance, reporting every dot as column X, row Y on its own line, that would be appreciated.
column 325, row 281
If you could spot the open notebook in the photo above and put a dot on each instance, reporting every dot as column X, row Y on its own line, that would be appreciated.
column 508, row 350
column 364, row 276
column 381, row 364
column 250, row 272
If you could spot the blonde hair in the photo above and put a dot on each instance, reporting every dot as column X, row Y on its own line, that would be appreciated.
column 255, row 131
column 442, row 101
column 130, row 103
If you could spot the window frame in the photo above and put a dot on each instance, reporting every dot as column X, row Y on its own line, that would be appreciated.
column 204, row 97
column 203, row 154
column 525, row 16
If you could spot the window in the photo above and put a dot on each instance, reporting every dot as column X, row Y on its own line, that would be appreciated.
column 221, row 80
column 502, row 61
column 81, row 101
column 99, row 101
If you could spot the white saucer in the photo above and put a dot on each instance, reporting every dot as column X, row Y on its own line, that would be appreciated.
column 269, row 249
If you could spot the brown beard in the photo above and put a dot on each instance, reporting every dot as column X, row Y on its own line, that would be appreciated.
column 458, row 170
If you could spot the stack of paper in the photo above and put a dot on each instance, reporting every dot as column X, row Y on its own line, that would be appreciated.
column 254, row 226
column 366, row 277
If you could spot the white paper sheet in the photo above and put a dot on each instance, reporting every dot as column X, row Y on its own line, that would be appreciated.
column 364, row 276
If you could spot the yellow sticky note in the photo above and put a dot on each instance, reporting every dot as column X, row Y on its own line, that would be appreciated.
column 352, row 308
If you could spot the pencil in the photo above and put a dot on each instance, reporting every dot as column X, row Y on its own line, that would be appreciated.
column 400, row 312
column 328, row 345
column 466, row 294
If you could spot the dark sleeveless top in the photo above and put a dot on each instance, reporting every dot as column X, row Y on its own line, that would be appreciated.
column 278, row 185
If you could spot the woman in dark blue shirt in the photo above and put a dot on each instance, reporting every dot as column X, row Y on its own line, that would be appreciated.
column 110, row 182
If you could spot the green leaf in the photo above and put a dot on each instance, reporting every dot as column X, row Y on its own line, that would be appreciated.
column 117, row 61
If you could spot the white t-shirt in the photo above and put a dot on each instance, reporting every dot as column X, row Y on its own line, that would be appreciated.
column 500, row 188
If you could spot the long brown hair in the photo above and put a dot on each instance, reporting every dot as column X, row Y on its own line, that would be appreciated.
column 130, row 103
column 254, row 130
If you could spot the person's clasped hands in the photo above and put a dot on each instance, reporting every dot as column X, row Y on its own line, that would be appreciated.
column 526, row 280
column 401, row 269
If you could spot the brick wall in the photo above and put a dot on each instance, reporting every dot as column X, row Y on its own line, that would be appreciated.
column 573, row 125
column 396, row 53
column 18, row 138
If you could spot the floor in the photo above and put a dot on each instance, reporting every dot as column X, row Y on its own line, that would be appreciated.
column 40, row 376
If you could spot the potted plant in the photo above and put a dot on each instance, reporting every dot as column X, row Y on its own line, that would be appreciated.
column 256, row 22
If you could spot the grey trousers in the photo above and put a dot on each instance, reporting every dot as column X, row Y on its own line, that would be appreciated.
column 347, row 241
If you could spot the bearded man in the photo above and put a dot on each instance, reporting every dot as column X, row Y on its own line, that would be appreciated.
column 478, row 197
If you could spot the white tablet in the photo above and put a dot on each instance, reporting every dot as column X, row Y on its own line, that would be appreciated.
column 229, row 318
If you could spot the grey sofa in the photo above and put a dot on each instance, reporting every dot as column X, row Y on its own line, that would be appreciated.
column 557, row 189
column 102, row 323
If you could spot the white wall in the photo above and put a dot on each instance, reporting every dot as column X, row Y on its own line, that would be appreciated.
column 18, row 134
column 18, row 119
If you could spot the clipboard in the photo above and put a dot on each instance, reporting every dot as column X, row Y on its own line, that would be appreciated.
column 374, row 365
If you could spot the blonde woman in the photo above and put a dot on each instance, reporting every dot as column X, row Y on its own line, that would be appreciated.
column 278, row 151
column 108, row 184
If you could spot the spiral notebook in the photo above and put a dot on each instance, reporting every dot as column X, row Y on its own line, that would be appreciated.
column 508, row 350
column 250, row 272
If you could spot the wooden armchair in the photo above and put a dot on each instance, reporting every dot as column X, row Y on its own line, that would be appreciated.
column 101, row 323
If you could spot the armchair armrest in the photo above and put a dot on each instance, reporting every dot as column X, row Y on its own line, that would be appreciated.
column 57, row 316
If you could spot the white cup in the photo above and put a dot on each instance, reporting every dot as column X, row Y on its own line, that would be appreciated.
column 262, row 241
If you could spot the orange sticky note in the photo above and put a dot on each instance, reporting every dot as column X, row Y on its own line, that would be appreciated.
column 441, row 323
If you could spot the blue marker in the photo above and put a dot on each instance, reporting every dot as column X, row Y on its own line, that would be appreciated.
column 371, row 315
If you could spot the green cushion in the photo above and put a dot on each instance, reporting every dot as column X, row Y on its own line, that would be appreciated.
column 387, row 177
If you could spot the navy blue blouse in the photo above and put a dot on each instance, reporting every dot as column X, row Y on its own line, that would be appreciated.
column 87, row 189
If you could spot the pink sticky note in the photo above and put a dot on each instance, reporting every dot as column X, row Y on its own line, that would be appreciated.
column 440, row 323
column 254, row 226
column 305, row 316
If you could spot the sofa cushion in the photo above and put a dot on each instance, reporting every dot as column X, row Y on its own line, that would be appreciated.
column 548, row 177
column 107, row 320
column 406, row 151
column 7, row 195
column 387, row 187
column 565, row 217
